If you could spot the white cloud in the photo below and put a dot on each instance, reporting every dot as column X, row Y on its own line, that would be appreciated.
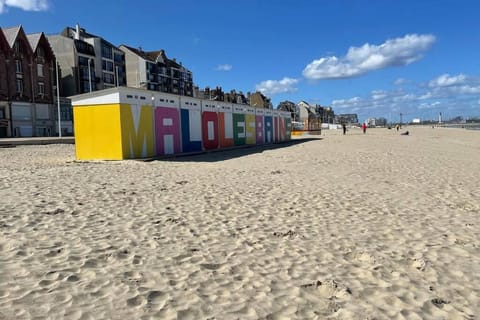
column 457, row 93
column 378, row 95
column 271, row 87
column 468, row 89
column 400, row 81
column 27, row 5
column 224, row 67
column 445, row 80
column 432, row 105
column 360, row 60
column 354, row 102
column 461, row 84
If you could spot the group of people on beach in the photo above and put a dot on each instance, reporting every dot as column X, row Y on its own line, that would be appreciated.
column 364, row 129
column 344, row 127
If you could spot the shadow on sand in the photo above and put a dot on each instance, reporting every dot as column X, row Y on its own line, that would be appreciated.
column 230, row 153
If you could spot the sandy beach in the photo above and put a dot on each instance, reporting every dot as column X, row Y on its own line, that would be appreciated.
column 374, row 226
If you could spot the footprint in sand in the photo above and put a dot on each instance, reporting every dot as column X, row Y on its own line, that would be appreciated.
column 439, row 302
column 133, row 277
column 328, row 289
column 419, row 263
column 364, row 258
column 73, row 278
column 156, row 299
column 210, row 266
column 135, row 301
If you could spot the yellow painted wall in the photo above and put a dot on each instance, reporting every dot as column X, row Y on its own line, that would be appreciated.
column 137, row 131
column 98, row 132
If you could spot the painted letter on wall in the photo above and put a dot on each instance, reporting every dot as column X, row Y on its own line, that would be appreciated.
column 268, row 129
column 167, row 130
column 250, row 131
column 137, row 131
column 191, row 130
column 239, row 126
column 225, row 125
column 210, row 130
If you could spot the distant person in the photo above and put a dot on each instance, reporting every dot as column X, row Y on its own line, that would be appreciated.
column 364, row 128
column 406, row 133
column 344, row 127
column 397, row 127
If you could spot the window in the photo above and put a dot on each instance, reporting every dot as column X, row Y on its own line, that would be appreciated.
column 18, row 66
column 85, row 86
column 41, row 88
column 66, row 113
column 107, row 51
column 19, row 85
column 107, row 65
column 83, row 61
column 21, row 113
column 40, row 70
column 118, row 57
column 108, row 78
column 40, row 52
column 42, row 111
column 84, row 73
column 16, row 47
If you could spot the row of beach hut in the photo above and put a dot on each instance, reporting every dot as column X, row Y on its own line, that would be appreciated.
column 129, row 123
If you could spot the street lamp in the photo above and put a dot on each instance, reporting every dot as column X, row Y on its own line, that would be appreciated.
column 58, row 102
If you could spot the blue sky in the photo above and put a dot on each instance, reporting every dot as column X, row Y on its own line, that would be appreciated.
column 376, row 58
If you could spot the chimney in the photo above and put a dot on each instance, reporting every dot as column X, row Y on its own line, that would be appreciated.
column 77, row 32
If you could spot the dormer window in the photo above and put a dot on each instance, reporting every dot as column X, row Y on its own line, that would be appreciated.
column 16, row 47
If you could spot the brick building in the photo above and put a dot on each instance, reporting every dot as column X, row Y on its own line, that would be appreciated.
column 26, row 84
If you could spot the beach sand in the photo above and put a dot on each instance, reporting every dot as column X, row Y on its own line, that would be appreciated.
column 374, row 226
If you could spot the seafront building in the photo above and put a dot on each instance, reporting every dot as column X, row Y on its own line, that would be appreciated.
column 27, row 70
column 290, row 107
column 347, row 118
column 259, row 100
column 378, row 122
column 88, row 62
column 152, row 70
column 81, row 62
column 312, row 116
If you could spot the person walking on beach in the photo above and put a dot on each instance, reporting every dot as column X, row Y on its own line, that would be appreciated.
column 364, row 128
column 344, row 127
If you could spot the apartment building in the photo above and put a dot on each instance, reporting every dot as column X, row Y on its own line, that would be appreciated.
column 152, row 70
column 349, row 118
column 259, row 100
column 27, row 71
column 87, row 62
column 290, row 107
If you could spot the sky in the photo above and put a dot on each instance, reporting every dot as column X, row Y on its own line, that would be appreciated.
column 375, row 58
